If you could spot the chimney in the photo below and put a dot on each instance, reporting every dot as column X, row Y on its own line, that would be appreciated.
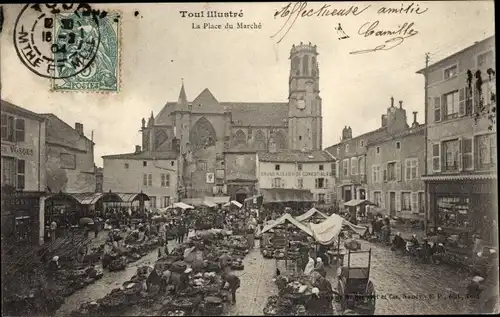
column 384, row 120
column 415, row 116
column 392, row 102
column 137, row 149
column 79, row 128
column 401, row 104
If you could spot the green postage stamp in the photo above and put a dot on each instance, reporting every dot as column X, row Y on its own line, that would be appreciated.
column 103, row 73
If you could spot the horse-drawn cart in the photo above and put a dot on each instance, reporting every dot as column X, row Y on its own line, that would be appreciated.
column 355, row 290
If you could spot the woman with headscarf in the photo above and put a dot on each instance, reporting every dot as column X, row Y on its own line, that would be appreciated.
column 320, row 267
column 309, row 266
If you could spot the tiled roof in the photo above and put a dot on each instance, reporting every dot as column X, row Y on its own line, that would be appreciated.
column 273, row 114
column 146, row 155
column 9, row 107
column 61, row 133
column 398, row 135
column 295, row 156
column 240, row 176
column 368, row 136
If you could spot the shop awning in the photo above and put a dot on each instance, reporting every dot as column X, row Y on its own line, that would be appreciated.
column 209, row 204
column 218, row 199
column 287, row 218
column 92, row 198
column 310, row 213
column 357, row 202
column 130, row 197
column 233, row 202
column 182, row 205
column 282, row 195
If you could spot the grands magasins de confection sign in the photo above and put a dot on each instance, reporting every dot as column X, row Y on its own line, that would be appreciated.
column 297, row 174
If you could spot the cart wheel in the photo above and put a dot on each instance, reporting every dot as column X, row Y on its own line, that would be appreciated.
column 342, row 300
column 370, row 291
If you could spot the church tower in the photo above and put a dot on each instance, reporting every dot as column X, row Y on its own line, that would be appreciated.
column 304, row 102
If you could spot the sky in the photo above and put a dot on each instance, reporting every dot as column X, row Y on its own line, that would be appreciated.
column 159, row 47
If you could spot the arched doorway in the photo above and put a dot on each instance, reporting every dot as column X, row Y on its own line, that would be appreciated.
column 241, row 194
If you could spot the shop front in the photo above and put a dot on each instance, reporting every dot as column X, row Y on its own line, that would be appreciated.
column 21, row 218
column 464, row 207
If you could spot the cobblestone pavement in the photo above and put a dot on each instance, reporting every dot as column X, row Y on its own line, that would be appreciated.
column 408, row 287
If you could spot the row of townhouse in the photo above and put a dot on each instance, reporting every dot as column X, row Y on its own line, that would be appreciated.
column 442, row 171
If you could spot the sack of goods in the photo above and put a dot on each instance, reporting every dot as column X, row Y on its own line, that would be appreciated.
column 352, row 245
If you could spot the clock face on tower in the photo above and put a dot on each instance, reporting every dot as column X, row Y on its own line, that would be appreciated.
column 301, row 104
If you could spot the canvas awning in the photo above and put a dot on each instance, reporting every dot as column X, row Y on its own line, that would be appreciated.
column 218, row 199
column 252, row 198
column 282, row 195
column 209, row 204
column 283, row 219
column 233, row 202
column 92, row 198
column 182, row 205
column 357, row 202
column 130, row 197
column 327, row 231
column 310, row 213
column 193, row 201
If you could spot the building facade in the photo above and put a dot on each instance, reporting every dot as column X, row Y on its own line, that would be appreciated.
column 69, row 159
column 154, row 174
column 461, row 171
column 351, row 154
column 314, row 171
column 211, row 134
column 23, row 173
column 394, row 168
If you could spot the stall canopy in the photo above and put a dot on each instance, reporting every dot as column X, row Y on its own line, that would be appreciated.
column 327, row 231
column 209, row 204
column 92, row 198
column 357, row 202
column 310, row 213
column 181, row 205
column 283, row 219
column 283, row 195
column 193, row 201
column 233, row 202
column 250, row 199
column 130, row 197
column 217, row 199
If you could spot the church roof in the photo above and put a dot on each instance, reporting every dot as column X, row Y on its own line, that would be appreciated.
column 296, row 156
column 272, row 114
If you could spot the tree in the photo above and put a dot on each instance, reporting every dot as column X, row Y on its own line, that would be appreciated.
column 483, row 108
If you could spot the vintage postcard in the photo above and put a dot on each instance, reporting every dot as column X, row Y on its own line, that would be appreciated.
column 258, row 159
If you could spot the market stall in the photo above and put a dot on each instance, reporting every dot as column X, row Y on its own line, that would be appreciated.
column 312, row 215
column 357, row 209
column 233, row 203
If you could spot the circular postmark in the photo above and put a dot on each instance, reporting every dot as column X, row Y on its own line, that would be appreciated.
column 56, row 41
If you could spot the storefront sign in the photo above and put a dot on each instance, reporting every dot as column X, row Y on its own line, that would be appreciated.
column 14, row 149
column 297, row 174
column 210, row 178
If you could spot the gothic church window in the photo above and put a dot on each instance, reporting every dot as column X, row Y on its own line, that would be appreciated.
column 305, row 65
column 296, row 65
column 260, row 140
column 240, row 138
column 313, row 66
column 202, row 134
column 280, row 140
column 160, row 137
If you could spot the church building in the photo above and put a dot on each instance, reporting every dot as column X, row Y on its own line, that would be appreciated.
column 218, row 142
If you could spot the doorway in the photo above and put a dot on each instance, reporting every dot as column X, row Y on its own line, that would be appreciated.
column 392, row 203
column 241, row 197
column 347, row 195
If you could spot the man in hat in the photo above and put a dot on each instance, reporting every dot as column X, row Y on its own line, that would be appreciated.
column 233, row 283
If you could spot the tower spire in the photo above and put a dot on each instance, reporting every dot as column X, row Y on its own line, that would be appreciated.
column 182, row 101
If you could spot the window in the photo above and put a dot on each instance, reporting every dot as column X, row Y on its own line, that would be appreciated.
column 398, row 145
column 152, row 201
column 166, row 201
column 437, row 109
column 126, row 165
column 300, row 137
column 486, row 150
column 377, row 198
column 333, row 168
column 338, row 151
column 485, row 60
column 451, row 104
column 20, row 133
column 345, row 167
column 321, row 198
column 361, row 163
column 337, row 169
column 300, row 183
column 376, row 173
column 414, row 202
column 9, row 171
column 405, row 201
column 67, row 160
column 9, row 128
column 21, row 173
column 450, row 72
column 147, row 180
column 391, row 171
column 321, row 183
column 411, row 169
column 450, row 155
column 172, row 163
column 421, row 202
column 299, row 166
column 378, row 149
column 165, row 180
column 220, row 174
column 436, row 160
column 354, row 166
column 467, row 154
column 361, row 143
column 347, row 148
column 465, row 104
column 250, row 133
column 277, row 167
column 144, row 163
column 277, row 182
column 321, row 167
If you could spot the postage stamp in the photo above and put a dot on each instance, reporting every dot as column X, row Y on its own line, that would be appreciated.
column 103, row 74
